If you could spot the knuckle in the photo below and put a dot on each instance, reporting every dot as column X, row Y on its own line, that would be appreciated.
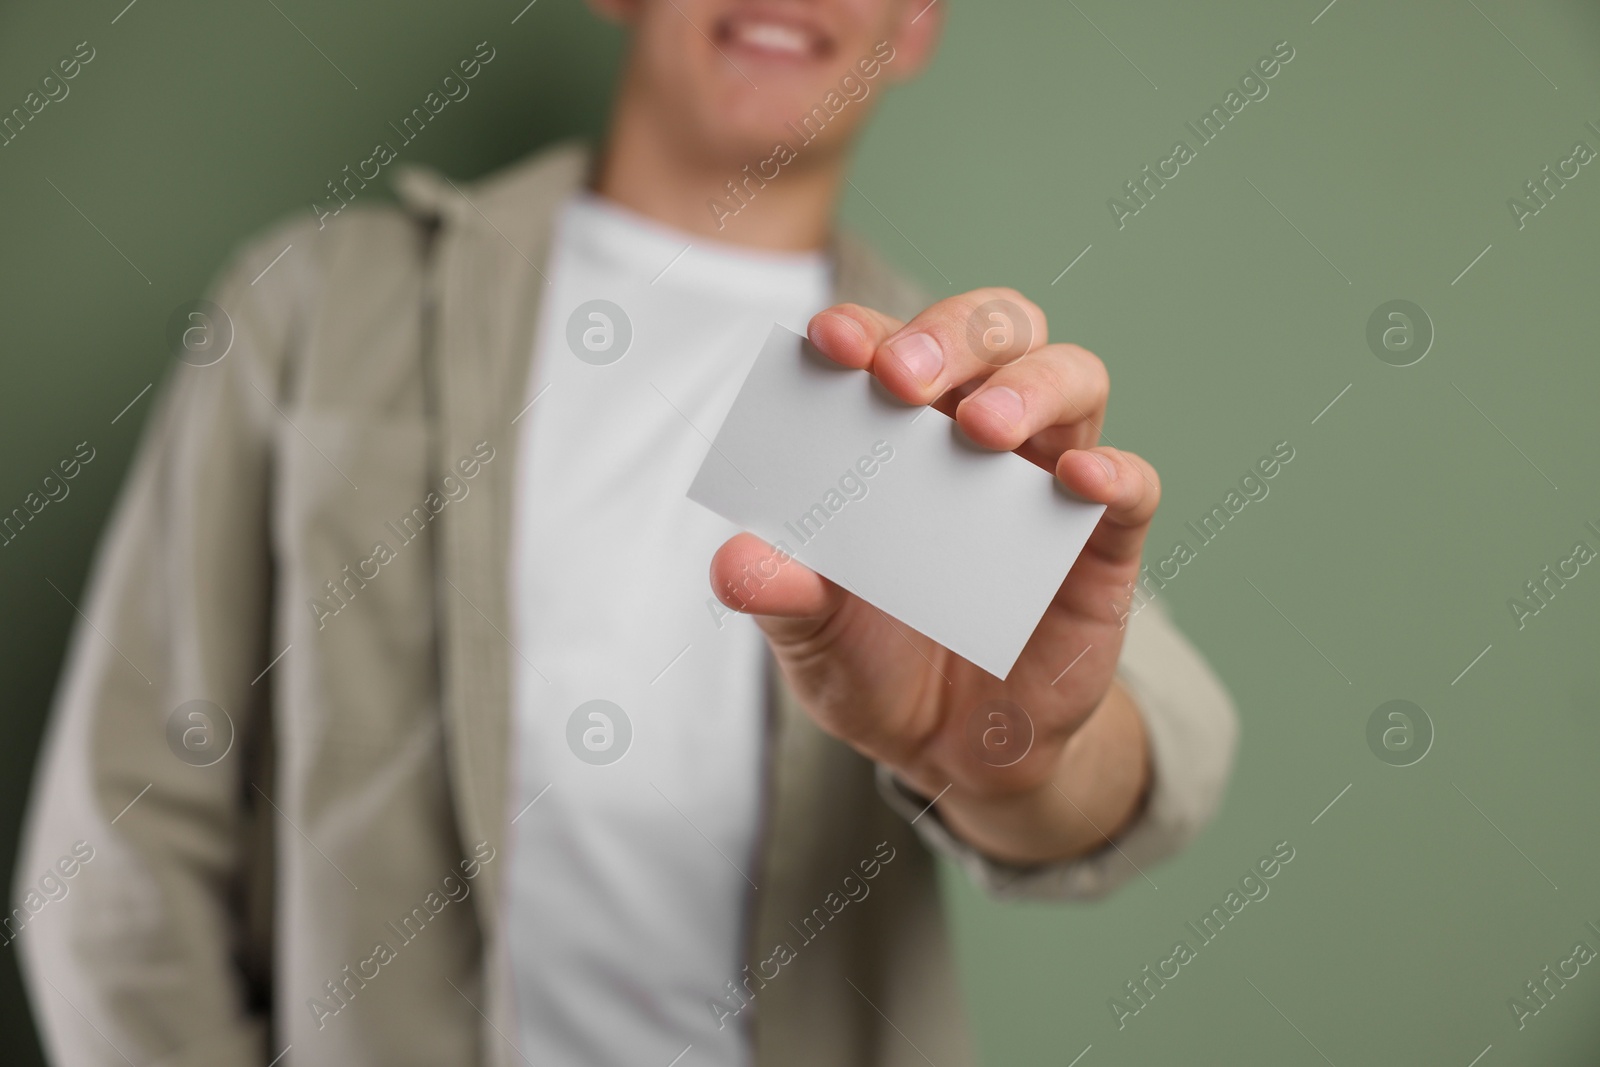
column 1151, row 477
column 1008, row 294
column 1031, row 311
column 995, row 326
column 1083, row 382
column 1098, row 375
column 1085, row 369
column 1083, row 355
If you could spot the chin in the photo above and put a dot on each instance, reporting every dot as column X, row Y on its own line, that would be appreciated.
column 766, row 121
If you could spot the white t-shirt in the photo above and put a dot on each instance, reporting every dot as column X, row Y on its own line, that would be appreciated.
column 629, row 876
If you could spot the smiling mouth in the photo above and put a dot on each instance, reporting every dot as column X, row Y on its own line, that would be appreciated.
column 768, row 37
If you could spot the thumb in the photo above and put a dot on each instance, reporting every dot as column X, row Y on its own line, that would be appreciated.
column 750, row 576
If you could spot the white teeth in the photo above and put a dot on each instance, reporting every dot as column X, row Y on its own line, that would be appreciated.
column 773, row 36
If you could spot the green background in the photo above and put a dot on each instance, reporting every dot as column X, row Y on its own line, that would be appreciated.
column 1378, row 567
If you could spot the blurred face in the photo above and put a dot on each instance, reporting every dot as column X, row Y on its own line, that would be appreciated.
column 727, row 78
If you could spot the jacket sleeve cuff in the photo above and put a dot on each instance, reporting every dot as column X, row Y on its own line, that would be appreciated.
column 1192, row 729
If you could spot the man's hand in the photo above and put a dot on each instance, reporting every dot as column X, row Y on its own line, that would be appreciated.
column 945, row 727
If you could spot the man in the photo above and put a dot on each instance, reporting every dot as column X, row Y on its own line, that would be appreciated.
column 407, row 731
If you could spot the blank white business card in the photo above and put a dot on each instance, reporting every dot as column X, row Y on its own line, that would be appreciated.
column 893, row 502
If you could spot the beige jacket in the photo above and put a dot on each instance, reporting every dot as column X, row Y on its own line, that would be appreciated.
column 316, row 868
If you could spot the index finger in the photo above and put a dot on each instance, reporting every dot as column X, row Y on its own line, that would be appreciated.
column 949, row 343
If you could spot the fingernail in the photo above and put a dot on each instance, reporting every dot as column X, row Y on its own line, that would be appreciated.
column 1110, row 467
column 1001, row 401
column 919, row 354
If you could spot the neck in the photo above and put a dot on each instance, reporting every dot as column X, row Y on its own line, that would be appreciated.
column 642, row 168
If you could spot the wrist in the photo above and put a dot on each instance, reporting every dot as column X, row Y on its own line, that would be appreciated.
column 1064, row 798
